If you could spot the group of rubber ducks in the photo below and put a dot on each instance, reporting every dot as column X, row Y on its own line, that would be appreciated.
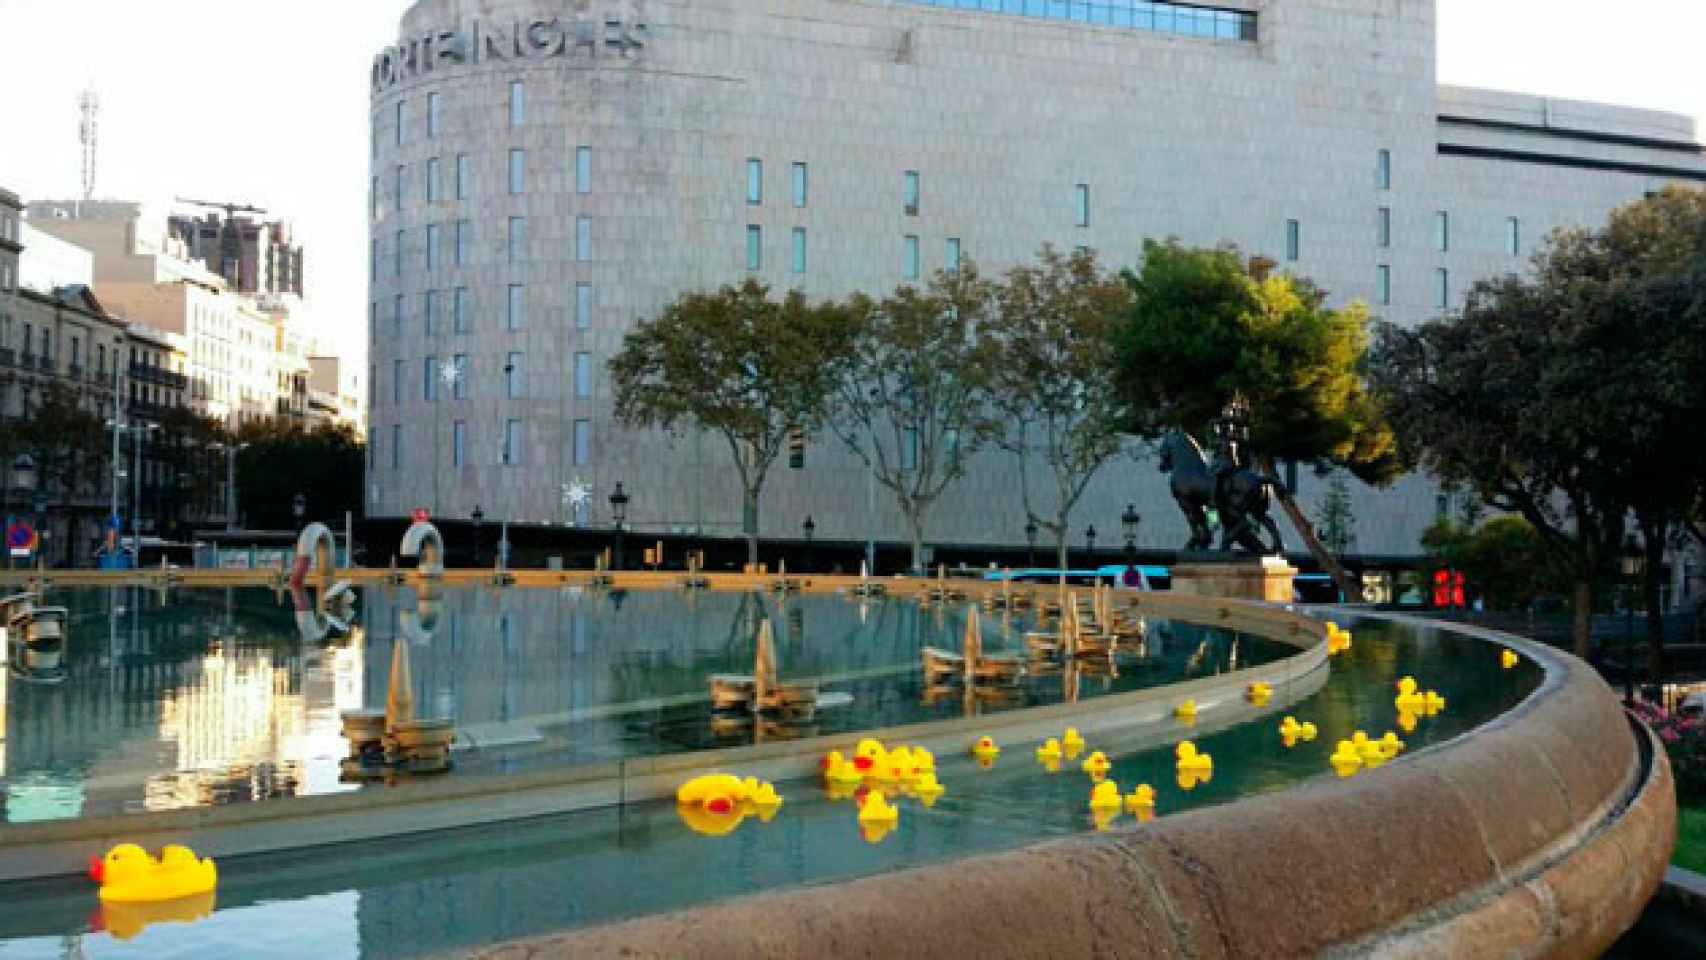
column 1067, row 747
column 716, row 803
column 1360, row 753
column 873, row 773
column 1106, row 803
column 1292, row 732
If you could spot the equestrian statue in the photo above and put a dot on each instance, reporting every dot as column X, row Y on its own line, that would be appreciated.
column 1238, row 494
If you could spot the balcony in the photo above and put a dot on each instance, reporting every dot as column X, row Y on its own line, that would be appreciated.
column 46, row 363
column 156, row 375
column 8, row 356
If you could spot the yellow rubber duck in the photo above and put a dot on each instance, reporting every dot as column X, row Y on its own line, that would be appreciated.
column 843, row 775
column 877, row 809
column 927, row 789
column 1188, row 780
column 1508, row 659
column 1258, row 693
column 1186, row 711
column 1338, row 641
column 1346, row 760
column 765, row 797
column 1368, row 750
column 1104, row 818
column 985, row 749
column 1141, row 799
column 830, row 761
column 867, row 754
column 1051, row 766
column 128, row 874
column 1408, row 698
column 1049, row 751
column 1106, row 796
column 876, row 832
column 1290, row 728
column 1199, row 765
column 1390, row 745
column 1096, row 765
column 897, row 766
column 1433, row 703
column 924, row 760
column 125, row 921
column 1406, row 721
column 1308, row 733
column 718, row 793
column 1071, row 742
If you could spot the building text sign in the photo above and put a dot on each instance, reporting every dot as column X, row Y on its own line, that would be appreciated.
column 484, row 41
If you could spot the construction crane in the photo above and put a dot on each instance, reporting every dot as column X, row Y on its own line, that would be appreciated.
column 229, row 265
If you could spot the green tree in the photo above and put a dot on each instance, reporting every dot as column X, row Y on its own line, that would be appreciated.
column 185, row 447
column 736, row 363
column 283, row 459
column 1505, row 559
column 911, row 397
column 1051, row 379
column 1205, row 327
column 1338, row 520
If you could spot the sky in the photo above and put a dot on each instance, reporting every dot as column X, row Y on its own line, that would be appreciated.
column 265, row 103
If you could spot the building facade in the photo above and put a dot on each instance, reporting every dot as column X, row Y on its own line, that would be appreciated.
column 254, row 257
column 542, row 177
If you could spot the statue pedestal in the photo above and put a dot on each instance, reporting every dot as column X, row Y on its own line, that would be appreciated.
column 1266, row 579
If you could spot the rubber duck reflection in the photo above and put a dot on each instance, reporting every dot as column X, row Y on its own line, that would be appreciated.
column 126, row 921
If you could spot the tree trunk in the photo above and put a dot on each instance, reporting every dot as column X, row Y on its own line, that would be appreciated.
column 749, row 524
column 1349, row 589
column 1583, row 629
column 1063, row 563
column 915, row 524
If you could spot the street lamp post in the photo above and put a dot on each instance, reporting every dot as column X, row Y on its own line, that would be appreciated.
column 1090, row 544
column 619, row 513
column 808, row 528
column 1031, row 542
column 139, row 432
column 1128, row 524
column 1634, row 565
column 479, row 517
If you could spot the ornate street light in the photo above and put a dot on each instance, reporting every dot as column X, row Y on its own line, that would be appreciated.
column 1633, row 565
column 1031, row 542
column 1128, row 522
column 619, row 512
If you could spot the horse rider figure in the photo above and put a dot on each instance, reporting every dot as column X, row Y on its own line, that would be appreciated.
column 1231, row 432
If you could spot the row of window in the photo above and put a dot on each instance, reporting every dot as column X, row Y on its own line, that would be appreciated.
column 456, row 372
column 462, row 245
column 1383, row 234
column 433, row 179
column 1383, row 286
column 434, row 117
column 1179, row 19
column 512, row 453
column 910, row 268
column 461, row 304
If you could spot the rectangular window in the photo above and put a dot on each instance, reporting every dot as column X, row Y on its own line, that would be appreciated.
column 514, row 308
column 583, row 239
column 754, row 247
column 458, row 442
column 432, row 246
column 460, row 390
column 397, row 256
column 397, row 315
column 799, row 259
column 1383, row 285
column 1081, row 196
column 1383, row 227
column 517, row 238
column 464, row 241
column 583, row 306
column 1293, row 239
column 1442, row 231
column 952, row 259
column 754, row 180
column 464, row 176
column 373, row 199
column 432, row 115
column 1442, row 283
column 583, row 442
column 517, row 172
column 373, row 255
column 909, row 193
column 397, row 190
column 515, row 377
column 432, row 174
column 400, row 122
column 517, row 103
column 909, row 449
column 429, row 311
column 429, row 378
column 800, row 184
column 1513, row 236
column 909, row 266
column 461, row 310
column 583, row 169
column 396, row 446
column 1383, row 170
column 583, row 375
column 396, row 381
column 512, row 443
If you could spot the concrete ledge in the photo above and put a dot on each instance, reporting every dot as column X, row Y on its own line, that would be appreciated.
column 1128, row 721
column 1542, row 833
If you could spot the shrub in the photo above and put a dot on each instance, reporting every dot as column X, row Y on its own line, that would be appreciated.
column 1685, row 742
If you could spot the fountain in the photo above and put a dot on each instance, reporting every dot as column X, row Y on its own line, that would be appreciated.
column 34, row 641
column 385, row 742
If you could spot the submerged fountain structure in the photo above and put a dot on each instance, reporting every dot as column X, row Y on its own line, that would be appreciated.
column 34, row 641
column 393, row 740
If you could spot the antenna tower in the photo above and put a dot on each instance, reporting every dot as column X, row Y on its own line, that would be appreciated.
column 88, row 133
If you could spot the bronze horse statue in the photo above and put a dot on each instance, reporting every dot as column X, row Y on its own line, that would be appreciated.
column 1242, row 501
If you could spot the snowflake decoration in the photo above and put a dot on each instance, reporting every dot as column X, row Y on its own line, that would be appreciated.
column 449, row 372
column 576, row 494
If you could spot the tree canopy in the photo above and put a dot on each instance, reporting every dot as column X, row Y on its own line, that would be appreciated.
column 283, row 459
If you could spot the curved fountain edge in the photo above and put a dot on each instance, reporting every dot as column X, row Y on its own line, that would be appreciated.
column 1543, row 832
column 51, row 849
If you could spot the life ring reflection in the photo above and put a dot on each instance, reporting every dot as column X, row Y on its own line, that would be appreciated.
column 315, row 550
column 423, row 540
